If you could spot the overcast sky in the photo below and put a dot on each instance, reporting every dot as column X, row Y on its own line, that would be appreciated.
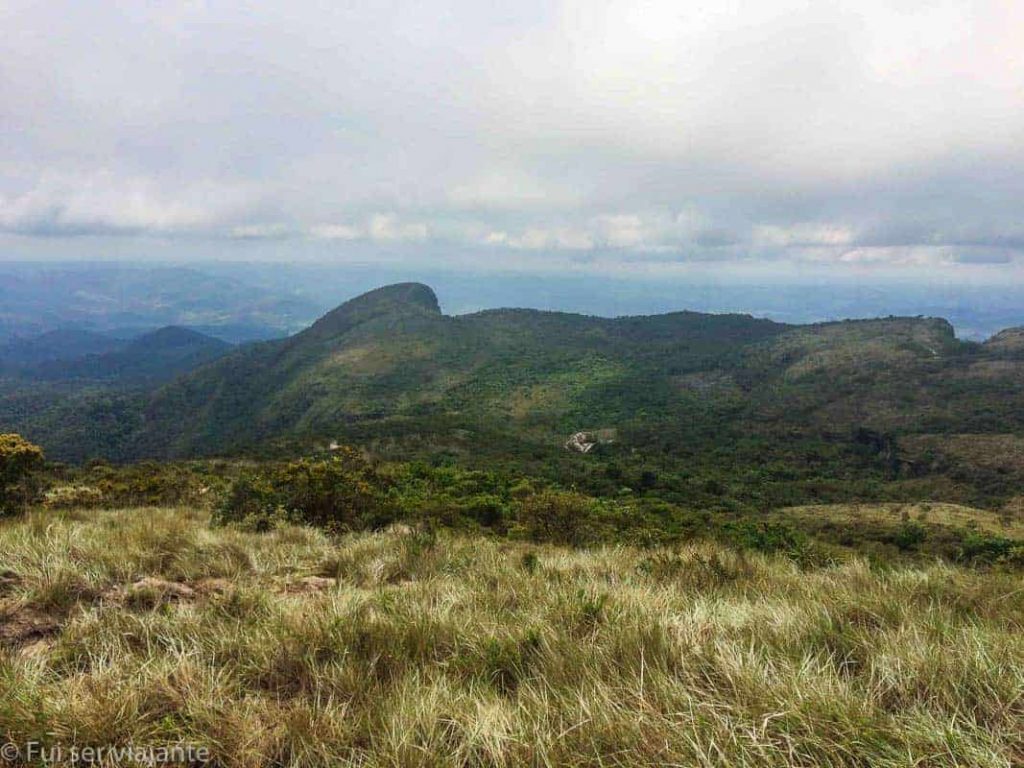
column 612, row 136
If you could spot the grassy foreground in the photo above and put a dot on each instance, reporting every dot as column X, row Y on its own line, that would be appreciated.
column 146, row 626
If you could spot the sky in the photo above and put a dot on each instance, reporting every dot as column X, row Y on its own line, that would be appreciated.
column 607, row 137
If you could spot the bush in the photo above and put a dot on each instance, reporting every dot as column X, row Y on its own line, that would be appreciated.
column 910, row 536
column 19, row 460
column 563, row 517
column 986, row 549
column 764, row 536
column 71, row 496
column 148, row 483
column 340, row 492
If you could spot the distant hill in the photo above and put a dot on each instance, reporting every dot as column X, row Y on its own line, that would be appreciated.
column 60, row 344
column 156, row 356
column 390, row 358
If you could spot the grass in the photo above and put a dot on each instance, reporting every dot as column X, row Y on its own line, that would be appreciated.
column 927, row 513
column 146, row 626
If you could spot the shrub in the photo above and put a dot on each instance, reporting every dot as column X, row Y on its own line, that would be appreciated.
column 530, row 562
column 564, row 517
column 19, row 460
column 339, row 492
column 986, row 549
column 764, row 536
column 910, row 535
column 148, row 483
column 70, row 496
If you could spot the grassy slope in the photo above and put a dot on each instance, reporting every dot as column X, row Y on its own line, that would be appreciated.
column 936, row 514
column 467, row 652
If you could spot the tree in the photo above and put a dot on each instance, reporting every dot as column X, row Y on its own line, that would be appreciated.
column 19, row 459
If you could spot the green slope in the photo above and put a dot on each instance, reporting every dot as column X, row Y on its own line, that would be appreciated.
column 702, row 407
column 391, row 357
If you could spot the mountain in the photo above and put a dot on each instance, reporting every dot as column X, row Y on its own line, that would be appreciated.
column 390, row 361
column 706, row 408
column 1009, row 341
column 155, row 356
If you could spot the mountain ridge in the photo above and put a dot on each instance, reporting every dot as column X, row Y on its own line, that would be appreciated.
column 391, row 353
column 769, row 409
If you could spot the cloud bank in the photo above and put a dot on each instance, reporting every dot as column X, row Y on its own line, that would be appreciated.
column 835, row 132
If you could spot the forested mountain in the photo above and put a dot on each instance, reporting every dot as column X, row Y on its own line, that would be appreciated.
column 389, row 362
column 704, row 405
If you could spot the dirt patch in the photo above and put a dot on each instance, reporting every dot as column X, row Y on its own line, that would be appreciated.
column 25, row 626
column 149, row 592
column 8, row 581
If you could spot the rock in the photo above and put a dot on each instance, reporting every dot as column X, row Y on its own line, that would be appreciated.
column 584, row 442
column 581, row 442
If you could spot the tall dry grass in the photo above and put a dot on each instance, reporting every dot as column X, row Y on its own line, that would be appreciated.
column 405, row 650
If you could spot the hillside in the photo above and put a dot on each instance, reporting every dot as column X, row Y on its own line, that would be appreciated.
column 389, row 361
column 147, row 626
column 701, row 408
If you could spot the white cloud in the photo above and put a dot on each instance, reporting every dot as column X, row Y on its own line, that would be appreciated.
column 102, row 201
column 388, row 227
column 270, row 231
column 838, row 131
column 803, row 234
column 336, row 232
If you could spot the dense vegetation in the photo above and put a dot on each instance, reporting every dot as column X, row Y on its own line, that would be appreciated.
column 718, row 412
column 19, row 460
column 344, row 490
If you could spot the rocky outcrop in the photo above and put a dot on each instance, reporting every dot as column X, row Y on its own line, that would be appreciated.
column 584, row 442
column 580, row 442
column 1008, row 340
